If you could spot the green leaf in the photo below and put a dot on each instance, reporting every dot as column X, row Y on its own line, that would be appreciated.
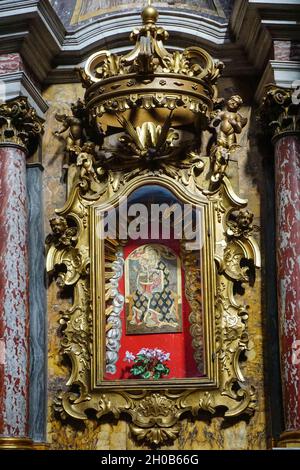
column 140, row 357
column 137, row 370
column 167, row 370
column 156, row 375
column 159, row 367
column 146, row 375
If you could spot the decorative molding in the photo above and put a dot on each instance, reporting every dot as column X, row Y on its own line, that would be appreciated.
column 113, row 30
column 16, row 443
column 256, row 24
column 32, row 28
column 115, row 305
column 80, row 14
column 250, row 34
column 19, row 84
column 281, row 19
column 41, row 446
column 281, row 73
column 289, row 439
column 34, row 22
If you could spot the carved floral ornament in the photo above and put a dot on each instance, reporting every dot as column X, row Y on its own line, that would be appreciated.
column 19, row 124
column 280, row 111
column 140, row 124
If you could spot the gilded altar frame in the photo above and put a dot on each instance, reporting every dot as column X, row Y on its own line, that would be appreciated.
column 155, row 408
column 99, row 272
column 97, row 180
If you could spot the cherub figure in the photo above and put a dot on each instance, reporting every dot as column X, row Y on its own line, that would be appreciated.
column 242, row 225
column 62, row 234
column 89, row 177
column 74, row 125
column 228, row 124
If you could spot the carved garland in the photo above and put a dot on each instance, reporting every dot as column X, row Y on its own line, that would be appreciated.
column 114, row 267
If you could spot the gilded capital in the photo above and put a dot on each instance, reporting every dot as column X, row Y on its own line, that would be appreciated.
column 19, row 124
column 280, row 111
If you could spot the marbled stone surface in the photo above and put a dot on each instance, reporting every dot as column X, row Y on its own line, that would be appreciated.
column 14, row 311
column 10, row 63
column 287, row 171
column 38, row 309
column 286, row 50
column 249, row 433
column 59, row 99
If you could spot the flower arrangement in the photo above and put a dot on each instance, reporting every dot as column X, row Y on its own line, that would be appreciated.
column 148, row 363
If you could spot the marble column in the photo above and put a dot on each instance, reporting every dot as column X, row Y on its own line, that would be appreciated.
column 19, row 128
column 37, row 305
column 282, row 112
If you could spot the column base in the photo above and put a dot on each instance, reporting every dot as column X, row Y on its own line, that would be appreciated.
column 290, row 439
column 15, row 443
column 40, row 446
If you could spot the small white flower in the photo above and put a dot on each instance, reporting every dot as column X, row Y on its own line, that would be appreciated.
column 129, row 356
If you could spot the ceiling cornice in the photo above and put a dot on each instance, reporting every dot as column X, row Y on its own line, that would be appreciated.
column 19, row 84
column 33, row 29
column 281, row 19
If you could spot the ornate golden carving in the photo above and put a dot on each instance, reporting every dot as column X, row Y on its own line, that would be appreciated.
column 73, row 124
column 149, row 77
column 132, row 151
column 147, row 408
column 192, row 271
column 19, row 124
column 62, row 234
column 156, row 415
column 149, row 141
column 228, row 124
column 185, row 170
column 280, row 111
column 240, row 224
column 150, row 56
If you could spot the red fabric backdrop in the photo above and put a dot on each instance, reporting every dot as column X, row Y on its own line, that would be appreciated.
column 179, row 345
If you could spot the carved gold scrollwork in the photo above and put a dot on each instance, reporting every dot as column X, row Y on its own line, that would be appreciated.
column 19, row 124
column 193, row 292
column 279, row 112
column 113, row 152
column 155, row 413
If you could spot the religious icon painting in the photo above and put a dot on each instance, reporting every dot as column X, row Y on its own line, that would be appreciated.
column 153, row 290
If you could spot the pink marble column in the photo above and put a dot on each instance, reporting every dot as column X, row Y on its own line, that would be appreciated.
column 287, row 180
column 280, row 114
column 14, row 310
column 19, row 130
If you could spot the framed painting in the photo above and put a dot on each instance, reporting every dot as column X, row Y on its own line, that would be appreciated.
column 153, row 290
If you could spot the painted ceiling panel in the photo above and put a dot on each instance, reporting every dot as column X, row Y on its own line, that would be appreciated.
column 74, row 13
